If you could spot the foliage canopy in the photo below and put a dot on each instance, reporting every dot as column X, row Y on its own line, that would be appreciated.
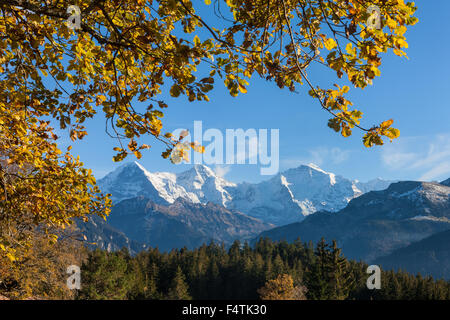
column 125, row 54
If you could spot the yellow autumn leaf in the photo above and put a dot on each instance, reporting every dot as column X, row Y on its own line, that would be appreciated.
column 330, row 44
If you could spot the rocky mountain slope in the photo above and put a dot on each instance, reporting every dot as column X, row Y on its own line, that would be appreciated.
column 379, row 222
column 181, row 223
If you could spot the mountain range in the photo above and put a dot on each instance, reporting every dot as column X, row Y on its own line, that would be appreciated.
column 379, row 222
column 285, row 198
column 385, row 222
column 170, row 210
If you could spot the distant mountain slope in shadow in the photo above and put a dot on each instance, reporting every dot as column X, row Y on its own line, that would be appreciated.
column 430, row 256
column 379, row 222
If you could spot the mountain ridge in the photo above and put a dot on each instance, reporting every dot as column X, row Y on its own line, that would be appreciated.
column 287, row 197
column 378, row 222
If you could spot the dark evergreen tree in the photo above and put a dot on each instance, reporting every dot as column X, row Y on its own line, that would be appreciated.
column 342, row 280
column 318, row 276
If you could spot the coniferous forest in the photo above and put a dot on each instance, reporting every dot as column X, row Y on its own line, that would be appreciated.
column 265, row 270
column 268, row 270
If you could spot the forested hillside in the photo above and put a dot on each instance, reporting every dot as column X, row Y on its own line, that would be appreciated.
column 213, row 272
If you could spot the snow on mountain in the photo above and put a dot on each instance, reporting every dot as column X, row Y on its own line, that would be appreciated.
column 294, row 194
column 197, row 185
column 287, row 197
column 131, row 180
column 205, row 184
column 372, row 185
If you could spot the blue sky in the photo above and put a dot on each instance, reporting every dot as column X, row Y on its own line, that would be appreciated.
column 414, row 92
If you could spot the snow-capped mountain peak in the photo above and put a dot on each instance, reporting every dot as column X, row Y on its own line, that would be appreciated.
column 315, row 167
column 198, row 185
column 128, row 181
column 203, row 181
column 313, row 171
column 285, row 198
column 196, row 176
column 294, row 194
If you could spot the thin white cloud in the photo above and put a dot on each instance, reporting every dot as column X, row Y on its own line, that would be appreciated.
column 427, row 156
column 338, row 155
column 442, row 170
column 320, row 156
column 221, row 171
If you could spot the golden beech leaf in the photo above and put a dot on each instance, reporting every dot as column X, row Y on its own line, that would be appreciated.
column 138, row 154
column 242, row 89
column 392, row 133
column 330, row 44
column 346, row 131
column 386, row 124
